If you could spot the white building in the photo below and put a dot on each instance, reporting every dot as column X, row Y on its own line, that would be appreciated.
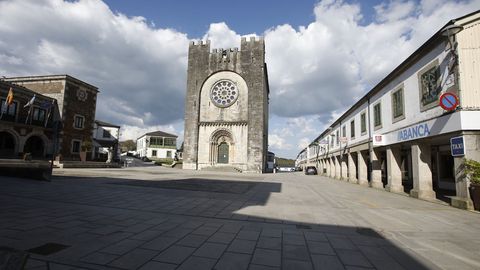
column 157, row 145
column 398, row 136
column 105, row 139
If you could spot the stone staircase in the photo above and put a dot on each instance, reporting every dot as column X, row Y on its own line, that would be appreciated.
column 222, row 169
column 87, row 164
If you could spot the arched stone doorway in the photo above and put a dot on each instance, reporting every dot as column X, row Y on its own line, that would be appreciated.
column 7, row 145
column 221, row 147
column 35, row 146
column 223, row 153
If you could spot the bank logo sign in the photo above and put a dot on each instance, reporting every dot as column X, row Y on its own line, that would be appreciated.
column 457, row 146
column 413, row 132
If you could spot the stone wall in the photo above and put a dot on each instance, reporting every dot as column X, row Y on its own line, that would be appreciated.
column 74, row 97
column 247, row 68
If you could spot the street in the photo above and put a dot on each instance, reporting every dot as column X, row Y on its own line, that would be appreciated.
column 163, row 218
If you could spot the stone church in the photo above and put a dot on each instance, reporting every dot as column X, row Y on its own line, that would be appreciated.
column 226, row 107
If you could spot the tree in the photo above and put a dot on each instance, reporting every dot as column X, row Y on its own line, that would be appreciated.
column 128, row 145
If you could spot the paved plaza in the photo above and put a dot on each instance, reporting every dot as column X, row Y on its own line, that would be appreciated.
column 161, row 218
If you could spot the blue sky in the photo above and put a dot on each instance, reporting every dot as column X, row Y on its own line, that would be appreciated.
column 322, row 56
column 247, row 16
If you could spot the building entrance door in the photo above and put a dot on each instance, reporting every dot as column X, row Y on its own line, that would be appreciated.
column 223, row 153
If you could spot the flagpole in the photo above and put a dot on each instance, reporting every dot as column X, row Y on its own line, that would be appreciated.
column 3, row 109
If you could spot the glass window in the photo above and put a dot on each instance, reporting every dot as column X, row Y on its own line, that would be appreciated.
column 377, row 115
column 352, row 129
column 38, row 115
column 156, row 141
column 338, row 137
column 363, row 123
column 169, row 154
column 9, row 112
column 76, row 146
column 79, row 121
column 397, row 104
column 430, row 85
column 154, row 153
column 170, row 142
column 106, row 134
column 344, row 131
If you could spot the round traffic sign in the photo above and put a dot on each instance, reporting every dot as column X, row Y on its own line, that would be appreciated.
column 448, row 101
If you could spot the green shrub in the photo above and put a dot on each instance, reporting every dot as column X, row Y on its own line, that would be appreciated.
column 161, row 161
column 472, row 170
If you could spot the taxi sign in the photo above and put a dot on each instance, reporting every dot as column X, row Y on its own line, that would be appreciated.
column 457, row 146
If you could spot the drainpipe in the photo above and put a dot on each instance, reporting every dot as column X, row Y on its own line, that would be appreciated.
column 341, row 157
column 370, row 141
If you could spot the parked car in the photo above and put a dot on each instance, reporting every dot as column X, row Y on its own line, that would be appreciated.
column 310, row 170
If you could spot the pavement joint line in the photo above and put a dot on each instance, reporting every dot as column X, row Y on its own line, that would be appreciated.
column 142, row 210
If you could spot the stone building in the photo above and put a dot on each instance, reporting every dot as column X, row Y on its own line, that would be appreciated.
column 400, row 135
column 26, row 129
column 77, row 103
column 226, row 108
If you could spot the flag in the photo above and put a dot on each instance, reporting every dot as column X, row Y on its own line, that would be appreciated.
column 9, row 100
column 46, row 104
column 30, row 102
column 50, row 107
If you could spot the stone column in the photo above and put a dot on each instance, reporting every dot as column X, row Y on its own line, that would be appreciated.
column 352, row 169
column 343, row 163
column 394, row 172
column 362, row 169
column 376, row 175
column 462, row 199
column 337, row 168
column 327, row 166
column 322, row 165
column 331, row 167
column 422, row 173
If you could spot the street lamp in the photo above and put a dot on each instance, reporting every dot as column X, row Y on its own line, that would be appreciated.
column 449, row 32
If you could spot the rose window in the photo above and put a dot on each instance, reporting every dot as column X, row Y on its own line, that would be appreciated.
column 224, row 93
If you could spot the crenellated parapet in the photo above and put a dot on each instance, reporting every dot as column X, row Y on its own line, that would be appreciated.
column 252, row 42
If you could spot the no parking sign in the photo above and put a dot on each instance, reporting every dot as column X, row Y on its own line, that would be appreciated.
column 448, row 101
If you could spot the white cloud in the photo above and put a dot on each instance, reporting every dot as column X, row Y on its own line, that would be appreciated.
column 327, row 65
column 140, row 70
column 315, row 71
column 303, row 142
column 222, row 37
column 276, row 141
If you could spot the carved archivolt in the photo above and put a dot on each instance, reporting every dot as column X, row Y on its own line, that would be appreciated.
column 221, row 135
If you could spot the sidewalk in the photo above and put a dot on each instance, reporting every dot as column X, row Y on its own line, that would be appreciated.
column 162, row 219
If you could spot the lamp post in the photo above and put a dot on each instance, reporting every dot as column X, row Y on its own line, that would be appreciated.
column 449, row 32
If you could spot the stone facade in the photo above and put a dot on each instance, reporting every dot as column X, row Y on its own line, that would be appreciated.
column 226, row 125
column 76, row 100
column 27, row 130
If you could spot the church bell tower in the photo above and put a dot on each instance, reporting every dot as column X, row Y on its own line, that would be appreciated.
column 226, row 107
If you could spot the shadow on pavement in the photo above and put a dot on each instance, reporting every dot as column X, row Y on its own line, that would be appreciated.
column 179, row 224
